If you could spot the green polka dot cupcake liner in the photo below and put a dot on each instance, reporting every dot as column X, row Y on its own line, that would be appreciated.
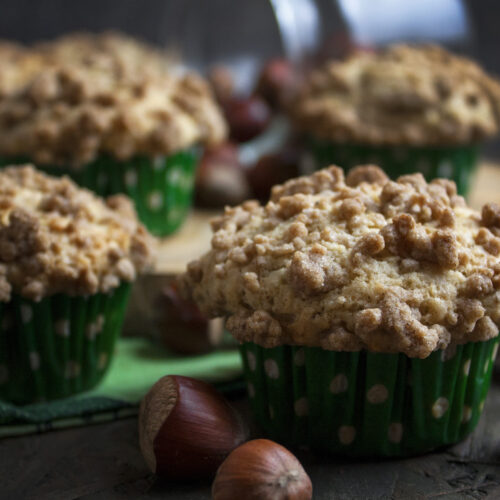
column 59, row 346
column 161, row 187
column 455, row 163
column 366, row 404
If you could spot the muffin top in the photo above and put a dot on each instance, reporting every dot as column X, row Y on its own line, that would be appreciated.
column 404, row 95
column 93, row 96
column 355, row 263
column 112, row 50
column 58, row 238
column 17, row 66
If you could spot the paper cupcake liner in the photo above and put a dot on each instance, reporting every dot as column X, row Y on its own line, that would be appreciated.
column 161, row 187
column 367, row 404
column 455, row 163
column 59, row 346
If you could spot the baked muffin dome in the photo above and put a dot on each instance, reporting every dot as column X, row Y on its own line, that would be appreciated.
column 91, row 97
column 58, row 238
column 409, row 95
column 355, row 263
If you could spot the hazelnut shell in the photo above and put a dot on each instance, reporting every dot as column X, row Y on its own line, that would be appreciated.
column 186, row 428
column 261, row 470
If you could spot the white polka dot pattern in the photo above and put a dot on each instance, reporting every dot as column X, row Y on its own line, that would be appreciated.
column 72, row 369
column 131, row 178
column 467, row 414
column 271, row 369
column 339, row 384
column 445, row 169
column 301, row 407
column 34, row 358
column 61, row 327
column 94, row 328
column 26, row 313
column 449, row 353
column 395, row 432
column 377, row 394
column 494, row 353
column 440, row 407
column 102, row 361
column 251, row 390
column 466, row 367
column 347, row 434
column 174, row 175
column 158, row 162
column 252, row 362
column 300, row 357
column 155, row 200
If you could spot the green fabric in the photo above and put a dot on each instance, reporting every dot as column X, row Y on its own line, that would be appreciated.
column 161, row 187
column 368, row 404
column 456, row 163
column 138, row 363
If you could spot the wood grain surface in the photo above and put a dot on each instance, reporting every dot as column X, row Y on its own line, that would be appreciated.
column 104, row 462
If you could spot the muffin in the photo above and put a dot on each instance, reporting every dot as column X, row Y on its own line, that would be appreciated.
column 67, row 260
column 366, row 309
column 17, row 66
column 91, row 112
column 406, row 108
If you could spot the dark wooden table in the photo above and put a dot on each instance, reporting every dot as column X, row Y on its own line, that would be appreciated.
column 103, row 462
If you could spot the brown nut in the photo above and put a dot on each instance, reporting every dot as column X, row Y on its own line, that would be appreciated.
column 183, row 328
column 221, row 179
column 278, row 81
column 247, row 117
column 186, row 428
column 261, row 470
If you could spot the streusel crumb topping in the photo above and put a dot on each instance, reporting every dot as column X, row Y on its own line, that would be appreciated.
column 405, row 95
column 56, row 237
column 355, row 263
column 91, row 96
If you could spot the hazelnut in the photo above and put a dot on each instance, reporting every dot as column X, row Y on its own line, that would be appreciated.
column 221, row 179
column 182, row 326
column 186, row 428
column 278, row 81
column 261, row 470
column 247, row 117
column 272, row 169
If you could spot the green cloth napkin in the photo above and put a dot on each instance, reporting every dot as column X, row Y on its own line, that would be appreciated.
column 137, row 365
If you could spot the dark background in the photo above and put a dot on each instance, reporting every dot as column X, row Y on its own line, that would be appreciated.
column 207, row 27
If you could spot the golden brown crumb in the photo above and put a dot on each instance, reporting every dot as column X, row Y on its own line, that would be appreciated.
column 56, row 237
column 86, row 95
column 405, row 95
column 387, row 266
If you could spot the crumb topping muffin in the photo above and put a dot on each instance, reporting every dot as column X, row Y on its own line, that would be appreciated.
column 58, row 238
column 17, row 66
column 90, row 97
column 355, row 263
column 109, row 49
column 404, row 94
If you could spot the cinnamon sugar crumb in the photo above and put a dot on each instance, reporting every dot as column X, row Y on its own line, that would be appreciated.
column 56, row 237
column 415, row 273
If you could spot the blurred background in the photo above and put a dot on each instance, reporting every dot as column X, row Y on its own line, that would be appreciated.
column 232, row 41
